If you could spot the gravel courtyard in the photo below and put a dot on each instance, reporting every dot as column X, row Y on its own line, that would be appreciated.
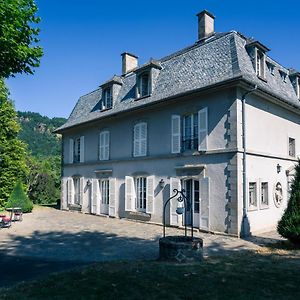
column 50, row 240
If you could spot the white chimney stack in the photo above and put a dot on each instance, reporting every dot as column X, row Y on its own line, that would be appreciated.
column 129, row 62
column 206, row 24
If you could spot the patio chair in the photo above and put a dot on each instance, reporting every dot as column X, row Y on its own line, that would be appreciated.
column 18, row 215
column 5, row 222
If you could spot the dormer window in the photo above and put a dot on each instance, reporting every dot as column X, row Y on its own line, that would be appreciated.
column 271, row 68
column 107, row 98
column 260, row 64
column 298, row 87
column 144, row 85
column 283, row 76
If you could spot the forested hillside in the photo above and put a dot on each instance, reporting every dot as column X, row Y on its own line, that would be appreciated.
column 37, row 133
column 44, row 156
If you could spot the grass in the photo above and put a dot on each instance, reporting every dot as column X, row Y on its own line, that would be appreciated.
column 268, row 274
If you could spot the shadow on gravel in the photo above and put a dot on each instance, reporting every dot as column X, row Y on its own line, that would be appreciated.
column 41, row 253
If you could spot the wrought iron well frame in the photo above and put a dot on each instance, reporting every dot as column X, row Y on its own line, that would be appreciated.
column 188, row 206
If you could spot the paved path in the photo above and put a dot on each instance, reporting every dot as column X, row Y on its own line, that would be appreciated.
column 52, row 240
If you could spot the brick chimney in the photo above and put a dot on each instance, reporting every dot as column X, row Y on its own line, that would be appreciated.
column 129, row 62
column 206, row 24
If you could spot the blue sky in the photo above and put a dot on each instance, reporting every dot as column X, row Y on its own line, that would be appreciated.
column 83, row 40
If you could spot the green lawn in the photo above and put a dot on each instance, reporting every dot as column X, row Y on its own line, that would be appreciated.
column 267, row 275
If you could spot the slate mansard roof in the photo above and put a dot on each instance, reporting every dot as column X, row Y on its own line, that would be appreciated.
column 216, row 60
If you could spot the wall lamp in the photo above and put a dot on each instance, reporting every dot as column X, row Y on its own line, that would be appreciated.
column 88, row 183
column 278, row 167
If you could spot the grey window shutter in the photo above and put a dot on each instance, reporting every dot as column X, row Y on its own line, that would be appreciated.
column 143, row 139
column 95, row 196
column 136, row 140
column 82, row 149
column 150, row 194
column 81, row 190
column 129, row 194
column 176, row 134
column 112, row 196
column 203, row 129
column 174, row 184
column 106, row 148
column 71, row 151
column 204, row 203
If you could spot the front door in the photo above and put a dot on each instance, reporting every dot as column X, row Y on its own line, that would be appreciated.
column 104, row 199
column 191, row 187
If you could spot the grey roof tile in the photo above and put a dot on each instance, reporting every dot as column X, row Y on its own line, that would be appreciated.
column 219, row 58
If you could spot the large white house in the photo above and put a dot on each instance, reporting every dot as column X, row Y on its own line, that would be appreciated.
column 220, row 119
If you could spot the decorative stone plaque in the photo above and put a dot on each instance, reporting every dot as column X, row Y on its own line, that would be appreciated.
column 278, row 194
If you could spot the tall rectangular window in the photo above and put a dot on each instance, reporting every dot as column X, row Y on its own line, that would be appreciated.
column 141, row 191
column 107, row 98
column 190, row 132
column 104, row 189
column 260, row 67
column 252, row 195
column 292, row 147
column 104, row 145
column 264, row 194
column 77, row 150
column 144, row 85
column 76, row 181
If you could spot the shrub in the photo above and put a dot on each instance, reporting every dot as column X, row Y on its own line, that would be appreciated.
column 18, row 198
column 289, row 225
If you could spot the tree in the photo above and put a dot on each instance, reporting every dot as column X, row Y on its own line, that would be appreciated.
column 12, row 150
column 18, row 37
column 18, row 198
column 289, row 225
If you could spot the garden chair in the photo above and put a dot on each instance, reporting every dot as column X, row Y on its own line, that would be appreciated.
column 18, row 215
column 5, row 222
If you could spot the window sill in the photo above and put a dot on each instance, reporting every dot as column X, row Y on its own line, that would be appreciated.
column 262, row 78
column 253, row 208
column 105, row 109
column 140, row 98
column 139, row 214
column 263, row 207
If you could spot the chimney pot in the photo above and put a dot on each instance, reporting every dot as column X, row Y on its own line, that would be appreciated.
column 129, row 62
column 206, row 24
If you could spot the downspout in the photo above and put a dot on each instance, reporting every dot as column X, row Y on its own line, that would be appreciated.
column 245, row 222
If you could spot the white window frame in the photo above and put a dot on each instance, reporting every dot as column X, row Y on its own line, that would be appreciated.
column 260, row 63
column 193, row 137
column 141, row 193
column 139, row 140
column 140, row 84
column 104, row 190
column 252, row 207
column 107, row 102
column 294, row 147
column 261, row 194
column 76, row 195
column 104, row 149
column 77, row 148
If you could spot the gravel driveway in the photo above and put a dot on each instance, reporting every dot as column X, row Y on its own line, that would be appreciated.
column 50, row 240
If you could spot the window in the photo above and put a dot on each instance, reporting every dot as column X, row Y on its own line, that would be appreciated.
column 107, row 98
column 140, row 139
column 104, row 189
column 264, row 194
column 76, row 182
column 141, row 191
column 283, row 76
column 144, row 85
column 77, row 150
column 292, row 147
column 252, row 195
column 298, row 87
column 271, row 68
column 104, row 145
column 260, row 67
column 190, row 132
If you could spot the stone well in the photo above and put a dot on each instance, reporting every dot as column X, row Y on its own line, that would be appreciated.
column 182, row 249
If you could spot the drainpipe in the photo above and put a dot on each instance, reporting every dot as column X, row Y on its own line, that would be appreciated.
column 245, row 223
